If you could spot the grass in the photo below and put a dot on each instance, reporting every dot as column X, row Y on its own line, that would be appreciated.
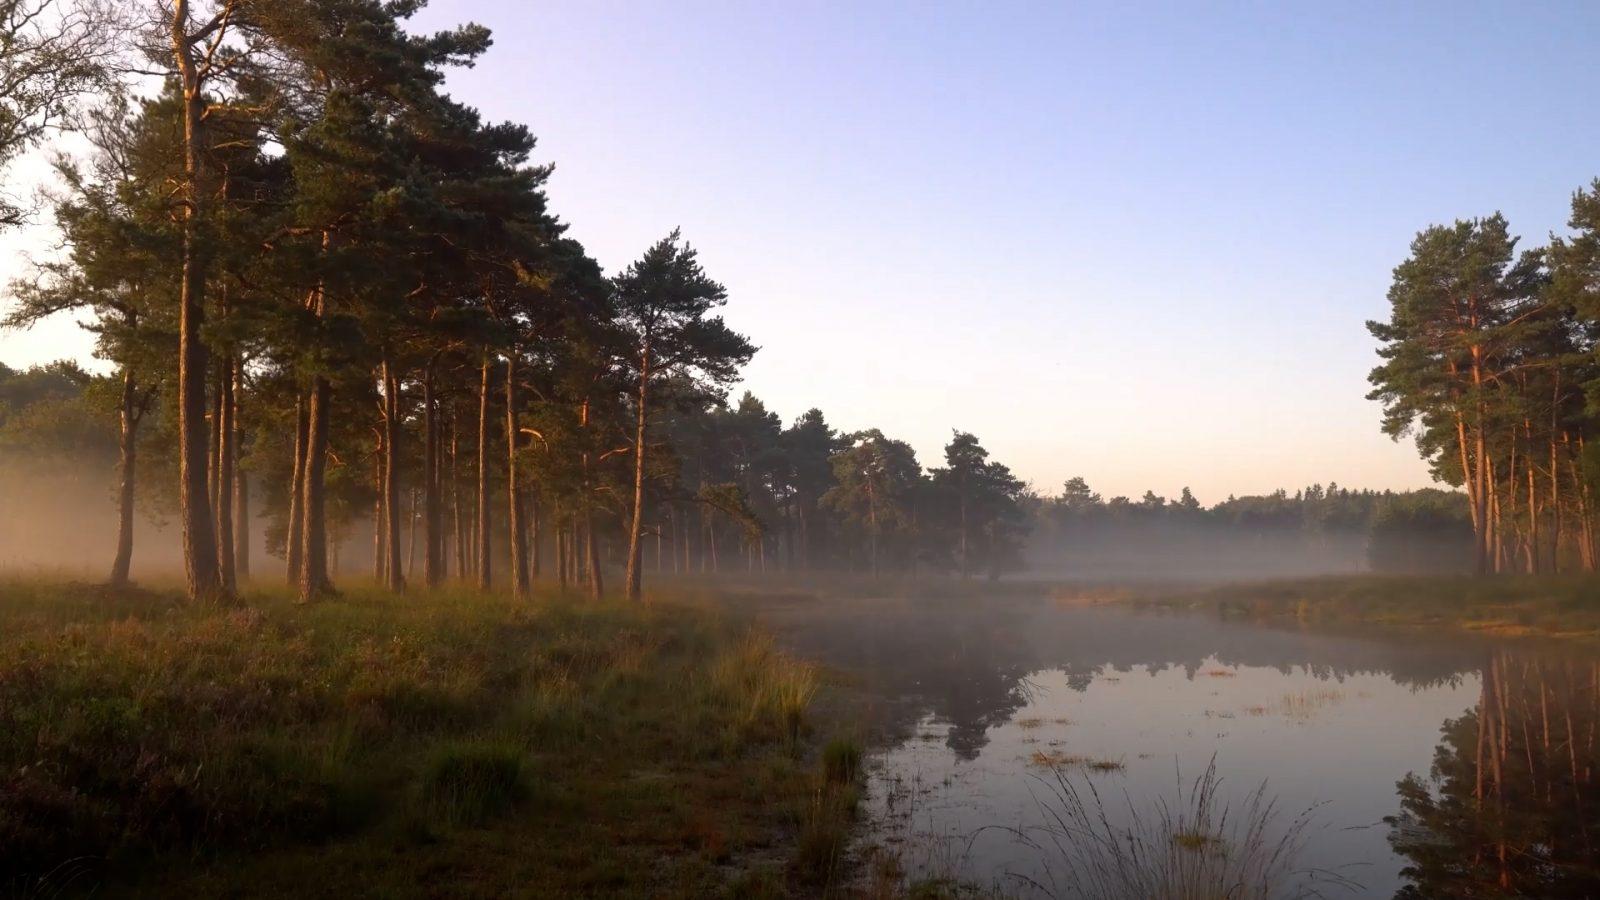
column 1056, row 760
column 841, row 761
column 1566, row 607
column 431, row 745
column 1193, row 846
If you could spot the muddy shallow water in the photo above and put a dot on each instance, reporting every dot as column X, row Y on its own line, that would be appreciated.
column 998, row 715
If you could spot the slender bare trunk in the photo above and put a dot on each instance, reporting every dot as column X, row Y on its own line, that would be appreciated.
column 127, row 448
column 1533, row 506
column 534, row 536
column 485, row 579
column 591, row 545
column 394, row 577
column 227, row 445
column 379, row 564
column 411, row 537
column 517, row 535
column 314, row 579
column 455, row 499
column 204, row 581
column 562, row 570
column 292, row 543
column 241, row 527
column 432, row 514
column 634, row 577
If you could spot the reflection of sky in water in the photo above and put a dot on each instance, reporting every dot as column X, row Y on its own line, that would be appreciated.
column 1343, row 745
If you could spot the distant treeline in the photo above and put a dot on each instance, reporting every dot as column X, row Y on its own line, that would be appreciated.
column 1314, row 530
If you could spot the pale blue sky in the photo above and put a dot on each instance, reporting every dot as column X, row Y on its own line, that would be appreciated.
column 1131, row 242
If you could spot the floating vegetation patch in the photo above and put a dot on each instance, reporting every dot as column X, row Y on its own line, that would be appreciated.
column 1057, row 760
column 1304, row 704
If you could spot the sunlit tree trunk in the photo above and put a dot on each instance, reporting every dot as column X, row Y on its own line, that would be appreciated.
column 127, row 446
column 485, row 579
column 634, row 576
column 514, row 524
column 204, row 580
column 241, row 527
column 227, row 443
column 379, row 565
column 455, row 498
column 292, row 542
column 394, row 576
column 314, row 580
column 1533, row 505
column 591, row 545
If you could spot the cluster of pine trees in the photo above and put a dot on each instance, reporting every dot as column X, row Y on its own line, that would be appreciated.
column 333, row 291
column 1490, row 360
column 734, row 489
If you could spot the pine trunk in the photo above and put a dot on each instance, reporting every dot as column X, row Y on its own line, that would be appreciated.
column 314, row 580
column 296, row 531
column 203, row 580
column 127, row 447
column 485, row 579
column 518, row 537
column 227, row 437
column 432, row 514
column 634, row 577
column 394, row 577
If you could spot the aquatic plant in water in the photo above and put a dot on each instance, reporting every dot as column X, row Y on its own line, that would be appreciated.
column 1198, row 846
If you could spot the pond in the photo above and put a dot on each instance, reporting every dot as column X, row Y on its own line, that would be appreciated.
column 1047, row 750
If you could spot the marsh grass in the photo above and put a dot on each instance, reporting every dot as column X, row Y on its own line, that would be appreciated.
column 148, row 747
column 841, row 761
column 1563, row 606
column 1197, row 845
column 766, row 685
column 828, row 818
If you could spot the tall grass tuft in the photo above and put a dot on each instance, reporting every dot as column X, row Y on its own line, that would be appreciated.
column 772, row 689
column 469, row 783
column 841, row 761
column 1199, row 847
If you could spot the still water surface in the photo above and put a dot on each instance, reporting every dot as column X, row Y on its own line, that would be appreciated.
column 1427, row 767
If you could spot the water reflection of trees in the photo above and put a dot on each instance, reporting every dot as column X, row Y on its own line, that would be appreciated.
column 1511, row 807
column 968, row 664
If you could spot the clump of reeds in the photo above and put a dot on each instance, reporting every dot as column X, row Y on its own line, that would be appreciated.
column 841, row 761
column 773, row 688
column 1200, row 846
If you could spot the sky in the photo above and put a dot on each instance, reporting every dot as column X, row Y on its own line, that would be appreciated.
column 1132, row 242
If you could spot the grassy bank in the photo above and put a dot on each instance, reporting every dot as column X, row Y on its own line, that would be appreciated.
column 445, row 744
column 1566, row 607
